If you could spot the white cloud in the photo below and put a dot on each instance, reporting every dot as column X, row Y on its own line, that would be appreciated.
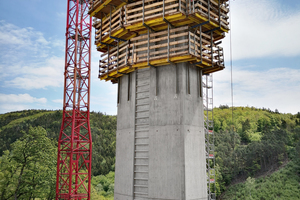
column 27, row 60
column 20, row 98
column 17, row 42
column 263, row 28
column 4, row 108
column 15, row 102
column 58, row 101
column 36, row 75
column 277, row 88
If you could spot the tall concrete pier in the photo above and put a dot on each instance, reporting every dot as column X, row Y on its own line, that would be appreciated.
column 160, row 151
column 164, row 148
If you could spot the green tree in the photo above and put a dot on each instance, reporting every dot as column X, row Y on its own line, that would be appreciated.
column 28, row 171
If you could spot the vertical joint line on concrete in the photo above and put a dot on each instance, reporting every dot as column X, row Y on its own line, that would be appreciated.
column 156, row 82
column 168, row 42
column 176, row 79
column 128, row 90
column 201, row 84
column 188, row 80
column 119, row 82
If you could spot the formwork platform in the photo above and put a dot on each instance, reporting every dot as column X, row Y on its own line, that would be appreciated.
column 157, row 14
column 101, row 9
column 162, row 48
column 116, row 20
column 110, row 30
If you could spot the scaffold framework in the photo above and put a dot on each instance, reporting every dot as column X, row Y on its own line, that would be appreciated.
column 209, row 135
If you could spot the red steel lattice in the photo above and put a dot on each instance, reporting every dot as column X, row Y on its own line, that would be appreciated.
column 73, row 180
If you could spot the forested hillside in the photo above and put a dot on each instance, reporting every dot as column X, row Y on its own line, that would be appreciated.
column 251, row 143
column 16, row 175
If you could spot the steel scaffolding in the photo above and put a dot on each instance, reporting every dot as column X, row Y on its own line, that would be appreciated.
column 209, row 135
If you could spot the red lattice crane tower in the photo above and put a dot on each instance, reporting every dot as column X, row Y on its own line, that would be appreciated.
column 74, row 158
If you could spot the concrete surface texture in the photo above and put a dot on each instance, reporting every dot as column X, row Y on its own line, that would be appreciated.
column 160, row 149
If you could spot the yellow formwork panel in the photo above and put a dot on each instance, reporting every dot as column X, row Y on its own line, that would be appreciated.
column 156, row 21
column 103, row 6
column 159, row 62
column 183, row 20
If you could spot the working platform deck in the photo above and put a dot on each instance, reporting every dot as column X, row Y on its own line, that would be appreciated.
column 101, row 9
column 110, row 30
column 162, row 48
column 156, row 14
column 117, row 21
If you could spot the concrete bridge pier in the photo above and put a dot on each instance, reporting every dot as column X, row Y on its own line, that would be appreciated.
column 160, row 148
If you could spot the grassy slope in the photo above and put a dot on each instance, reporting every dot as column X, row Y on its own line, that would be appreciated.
column 283, row 184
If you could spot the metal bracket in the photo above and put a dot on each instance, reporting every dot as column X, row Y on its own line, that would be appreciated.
column 197, row 63
column 112, row 37
column 122, row 73
column 112, row 77
column 206, row 68
column 151, row 65
column 107, row 44
column 148, row 27
column 165, row 20
column 171, row 62
column 201, row 24
column 212, row 30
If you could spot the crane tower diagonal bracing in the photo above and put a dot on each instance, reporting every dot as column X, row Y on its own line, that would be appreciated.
column 75, row 141
column 139, row 41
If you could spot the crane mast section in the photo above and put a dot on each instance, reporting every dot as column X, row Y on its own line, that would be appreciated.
column 75, row 141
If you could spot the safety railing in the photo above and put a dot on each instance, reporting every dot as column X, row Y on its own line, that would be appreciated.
column 108, row 29
column 114, row 62
column 211, row 14
column 154, row 14
column 162, row 48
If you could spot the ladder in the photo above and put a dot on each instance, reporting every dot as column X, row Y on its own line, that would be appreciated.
column 141, row 140
column 207, row 83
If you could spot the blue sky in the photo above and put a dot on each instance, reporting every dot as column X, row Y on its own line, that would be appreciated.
column 265, row 50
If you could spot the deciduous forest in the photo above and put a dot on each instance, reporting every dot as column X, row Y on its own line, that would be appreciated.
column 257, row 154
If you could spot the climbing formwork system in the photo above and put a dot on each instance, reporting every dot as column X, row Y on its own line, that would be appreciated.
column 141, row 34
